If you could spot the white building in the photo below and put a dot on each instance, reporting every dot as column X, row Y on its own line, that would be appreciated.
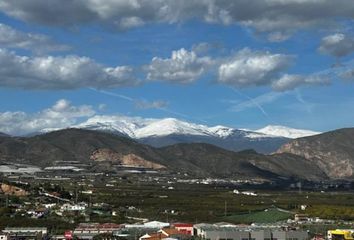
column 73, row 207
column 151, row 225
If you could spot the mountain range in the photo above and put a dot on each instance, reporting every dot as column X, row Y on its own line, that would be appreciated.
column 101, row 149
column 328, row 155
column 174, row 145
column 169, row 131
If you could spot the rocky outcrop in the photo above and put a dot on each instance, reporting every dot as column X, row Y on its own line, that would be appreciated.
column 105, row 154
column 136, row 161
column 128, row 160
column 12, row 190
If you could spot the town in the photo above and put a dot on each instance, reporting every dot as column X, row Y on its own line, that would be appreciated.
column 60, row 203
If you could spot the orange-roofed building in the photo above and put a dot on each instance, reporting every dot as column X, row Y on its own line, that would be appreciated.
column 166, row 233
column 186, row 228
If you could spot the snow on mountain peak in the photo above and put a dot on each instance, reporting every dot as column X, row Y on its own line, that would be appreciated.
column 137, row 127
column 221, row 131
column 169, row 126
column 120, row 124
column 282, row 131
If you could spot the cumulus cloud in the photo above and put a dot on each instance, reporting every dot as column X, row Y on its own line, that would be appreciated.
column 289, row 82
column 252, row 68
column 182, row 67
column 280, row 16
column 68, row 72
column 61, row 115
column 337, row 45
column 12, row 38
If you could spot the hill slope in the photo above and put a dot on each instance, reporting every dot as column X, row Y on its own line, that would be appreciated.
column 333, row 151
column 195, row 158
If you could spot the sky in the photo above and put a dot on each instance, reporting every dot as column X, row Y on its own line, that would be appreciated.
column 240, row 63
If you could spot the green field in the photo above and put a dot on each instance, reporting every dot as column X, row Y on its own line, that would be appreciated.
column 269, row 215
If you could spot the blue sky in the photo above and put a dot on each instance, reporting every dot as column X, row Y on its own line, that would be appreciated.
column 233, row 63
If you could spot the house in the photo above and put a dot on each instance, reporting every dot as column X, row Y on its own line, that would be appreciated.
column 214, row 232
column 166, row 233
column 73, row 207
column 89, row 230
column 301, row 218
column 149, row 225
column 156, row 224
column 174, row 233
column 152, row 236
column 186, row 228
column 49, row 205
column 25, row 233
column 38, row 213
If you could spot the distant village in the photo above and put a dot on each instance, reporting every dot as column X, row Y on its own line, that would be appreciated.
column 49, row 198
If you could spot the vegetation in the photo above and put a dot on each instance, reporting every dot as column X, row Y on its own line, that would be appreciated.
column 137, row 196
column 269, row 215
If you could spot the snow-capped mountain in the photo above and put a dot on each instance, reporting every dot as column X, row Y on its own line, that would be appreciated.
column 170, row 126
column 286, row 132
column 120, row 125
column 141, row 128
column 168, row 131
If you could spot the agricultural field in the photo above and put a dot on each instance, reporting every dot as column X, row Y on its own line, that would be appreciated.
column 134, row 198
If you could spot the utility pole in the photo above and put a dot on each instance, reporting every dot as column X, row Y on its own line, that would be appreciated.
column 76, row 195
column 225, row 210
column 299, row 185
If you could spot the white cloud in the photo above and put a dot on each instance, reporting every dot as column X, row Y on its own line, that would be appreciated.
column 290, row 82
column 11, row 38
column 66, row 72
column 252, row 68
column 269, row 16
column 337, row 45
column 182, row 67
column 61, row 115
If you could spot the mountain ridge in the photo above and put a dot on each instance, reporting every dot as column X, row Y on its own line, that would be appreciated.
column 197, row 159
column 168, row 131
column 287, row 132
column 332, row 151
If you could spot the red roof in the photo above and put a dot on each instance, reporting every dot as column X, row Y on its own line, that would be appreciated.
column 172, row 231
column 183, row 225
